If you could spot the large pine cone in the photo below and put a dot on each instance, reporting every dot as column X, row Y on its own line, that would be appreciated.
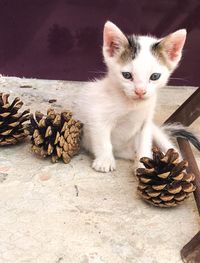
column 164, row 182
column 57, row 135
column 12, row 127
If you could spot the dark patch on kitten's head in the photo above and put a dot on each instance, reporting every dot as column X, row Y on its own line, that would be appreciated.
column 134, row 44
column 131, row 50
column 158, row 51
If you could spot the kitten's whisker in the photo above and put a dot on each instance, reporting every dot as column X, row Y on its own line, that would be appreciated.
column 182, row 79
column 178, row 78
column 98, row 72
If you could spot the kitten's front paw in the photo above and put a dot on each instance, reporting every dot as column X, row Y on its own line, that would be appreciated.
column 104, row 164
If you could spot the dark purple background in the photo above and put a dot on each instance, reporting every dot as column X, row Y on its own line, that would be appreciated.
column 61, row 39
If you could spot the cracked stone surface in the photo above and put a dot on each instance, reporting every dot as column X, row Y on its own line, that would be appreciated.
column 60, row 213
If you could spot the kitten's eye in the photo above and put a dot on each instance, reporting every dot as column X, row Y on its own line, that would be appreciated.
column 127, row 75
column 155, row 76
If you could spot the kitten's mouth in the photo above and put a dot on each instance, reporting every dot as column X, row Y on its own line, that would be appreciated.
column 142, row 97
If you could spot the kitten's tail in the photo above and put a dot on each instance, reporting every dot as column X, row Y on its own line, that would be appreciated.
column 180, row 131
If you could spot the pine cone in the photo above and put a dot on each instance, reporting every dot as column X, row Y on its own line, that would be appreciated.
column 56, row 135
column 12, row 127
column 164, row 182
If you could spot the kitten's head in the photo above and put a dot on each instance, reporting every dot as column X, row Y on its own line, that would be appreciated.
column 141, row 64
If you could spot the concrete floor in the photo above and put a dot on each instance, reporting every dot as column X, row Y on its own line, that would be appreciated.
column 58, row 213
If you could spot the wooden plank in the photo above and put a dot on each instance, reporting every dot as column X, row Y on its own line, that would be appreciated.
column 192, row 167
column 188, row 112
column 190, row 253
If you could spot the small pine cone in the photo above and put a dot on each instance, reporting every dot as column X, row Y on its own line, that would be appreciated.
column 57, row 135
column 12, row 126
column 164, row 181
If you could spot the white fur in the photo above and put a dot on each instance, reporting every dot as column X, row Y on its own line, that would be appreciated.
column 117, row 122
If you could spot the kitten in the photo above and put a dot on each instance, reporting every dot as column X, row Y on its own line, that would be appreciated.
column 117, row 111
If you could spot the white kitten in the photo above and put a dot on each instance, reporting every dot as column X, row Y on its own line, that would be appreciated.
column 117, row 111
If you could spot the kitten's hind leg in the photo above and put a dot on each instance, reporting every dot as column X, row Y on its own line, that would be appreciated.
column 161, row 139
column 143, row 140
column 126, row 152
column 138, row 146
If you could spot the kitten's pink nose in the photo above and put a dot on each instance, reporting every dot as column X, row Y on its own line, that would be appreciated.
column 140, row 92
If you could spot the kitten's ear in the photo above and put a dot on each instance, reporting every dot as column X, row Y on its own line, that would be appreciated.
column 173, row 44
column 113, row 39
